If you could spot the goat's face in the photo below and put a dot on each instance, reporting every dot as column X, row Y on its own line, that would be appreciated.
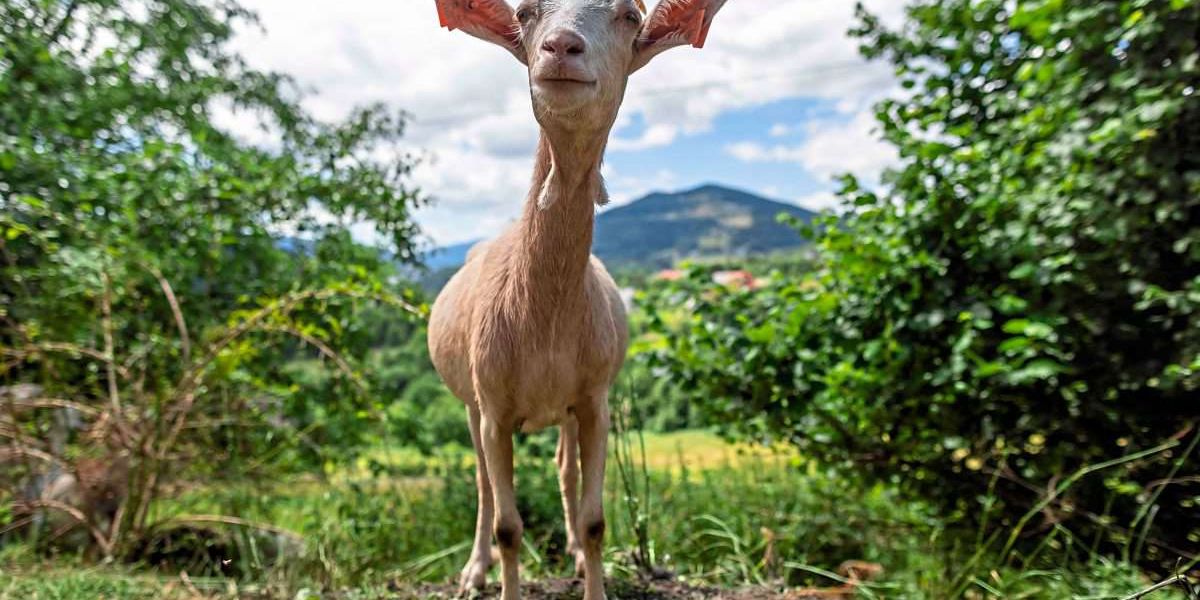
column 580, row 53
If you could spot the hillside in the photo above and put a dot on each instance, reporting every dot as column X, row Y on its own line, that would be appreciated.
column 662, row 228
column 448, row 256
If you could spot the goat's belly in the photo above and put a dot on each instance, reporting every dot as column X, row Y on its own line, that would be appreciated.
column 545, row 396
column 542, row 419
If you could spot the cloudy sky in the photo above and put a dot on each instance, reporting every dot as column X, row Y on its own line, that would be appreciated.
column 778, row 102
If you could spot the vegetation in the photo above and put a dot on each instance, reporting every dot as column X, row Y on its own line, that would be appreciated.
column 1009, row 329
column 980, row 378
column 367, row 529
column 148, row 288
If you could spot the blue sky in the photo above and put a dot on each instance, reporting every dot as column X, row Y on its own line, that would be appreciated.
column 705, row 157
column 777, row 102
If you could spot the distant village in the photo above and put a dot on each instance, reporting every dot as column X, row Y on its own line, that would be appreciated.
column 739, row 279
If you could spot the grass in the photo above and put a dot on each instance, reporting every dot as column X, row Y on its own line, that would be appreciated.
column 23, row 577
column 691, row 449
column 698, row 450
column 718, row 514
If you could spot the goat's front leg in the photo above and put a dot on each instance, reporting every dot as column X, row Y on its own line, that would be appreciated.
column 567, row 458
column 498, row 448
column 474, row 575
column 593, row 446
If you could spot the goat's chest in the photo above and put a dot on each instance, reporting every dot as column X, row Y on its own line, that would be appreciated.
column 534, row 366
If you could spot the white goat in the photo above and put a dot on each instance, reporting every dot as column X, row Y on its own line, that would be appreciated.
column 532, row 332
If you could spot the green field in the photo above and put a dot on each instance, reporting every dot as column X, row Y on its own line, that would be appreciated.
column 716, row 514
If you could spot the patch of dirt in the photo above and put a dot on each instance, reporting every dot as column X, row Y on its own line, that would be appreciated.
column 572, row 589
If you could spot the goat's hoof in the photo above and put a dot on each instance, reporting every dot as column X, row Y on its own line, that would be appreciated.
column 576, row 552
column 474, row 576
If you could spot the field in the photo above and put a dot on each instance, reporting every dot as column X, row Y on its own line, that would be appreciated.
column 717, row 518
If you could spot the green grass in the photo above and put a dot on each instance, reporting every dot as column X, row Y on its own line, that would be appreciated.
column 24, row 578
column 717, row 513
column 704, row 450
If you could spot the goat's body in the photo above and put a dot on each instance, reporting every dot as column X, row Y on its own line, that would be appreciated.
column 531, row 332
column 523, row 354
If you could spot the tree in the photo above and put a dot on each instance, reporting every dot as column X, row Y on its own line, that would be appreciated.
column 1021, row 300
column 147, row 280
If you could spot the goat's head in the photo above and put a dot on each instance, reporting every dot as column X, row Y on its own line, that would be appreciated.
column 580, row 53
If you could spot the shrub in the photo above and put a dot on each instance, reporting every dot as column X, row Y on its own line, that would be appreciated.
column 147, row 288
column 1022, row 300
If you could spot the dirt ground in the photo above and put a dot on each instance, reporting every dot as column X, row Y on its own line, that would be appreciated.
column 572, row 589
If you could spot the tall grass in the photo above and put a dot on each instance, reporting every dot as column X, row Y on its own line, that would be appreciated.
column 736, row 518
column 633, row 489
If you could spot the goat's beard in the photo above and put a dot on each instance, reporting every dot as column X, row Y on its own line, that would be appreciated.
column 552, row 188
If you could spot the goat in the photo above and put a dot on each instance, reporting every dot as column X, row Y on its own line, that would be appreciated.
column 531, row 332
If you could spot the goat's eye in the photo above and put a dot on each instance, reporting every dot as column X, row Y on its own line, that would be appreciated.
column 524, row 14
column 633, row 18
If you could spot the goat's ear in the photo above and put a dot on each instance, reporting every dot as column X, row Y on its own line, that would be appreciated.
column 674, row 23
column 490, row 20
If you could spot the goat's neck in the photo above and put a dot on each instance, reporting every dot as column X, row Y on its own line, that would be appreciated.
column 556, row 227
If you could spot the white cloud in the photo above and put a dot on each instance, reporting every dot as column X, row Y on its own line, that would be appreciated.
column 819, row 201
column 471, row 103
column 756, row 152
column 781, row 130
column 760, row 52
column 653, row 137
column 828, row 150
column 623, row 189
column 855, row 147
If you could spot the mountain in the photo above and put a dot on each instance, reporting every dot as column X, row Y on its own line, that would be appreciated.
column 448, row 256
column 662, row 228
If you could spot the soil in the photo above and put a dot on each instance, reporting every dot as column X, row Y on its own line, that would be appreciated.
column 572, row 589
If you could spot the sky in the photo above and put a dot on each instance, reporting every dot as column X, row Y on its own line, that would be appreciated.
column 778, row 102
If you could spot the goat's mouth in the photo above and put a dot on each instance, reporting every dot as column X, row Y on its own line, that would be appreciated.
column 565, row 81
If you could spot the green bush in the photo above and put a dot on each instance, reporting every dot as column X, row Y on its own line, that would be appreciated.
column 1022, row 299
column 148, row 280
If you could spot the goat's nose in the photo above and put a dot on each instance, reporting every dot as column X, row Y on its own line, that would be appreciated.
column 564, row 42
